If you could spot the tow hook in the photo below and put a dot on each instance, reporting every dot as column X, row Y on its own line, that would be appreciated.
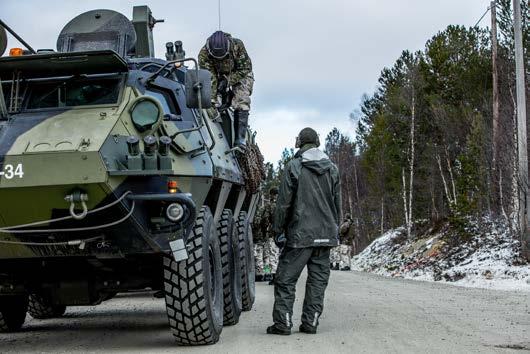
column 77, row 197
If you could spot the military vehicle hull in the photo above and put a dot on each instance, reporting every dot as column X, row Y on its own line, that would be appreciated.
column 114, row 178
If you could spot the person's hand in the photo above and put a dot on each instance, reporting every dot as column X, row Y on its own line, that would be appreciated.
column 223, row 107
column 280, row 240
column 223, row 86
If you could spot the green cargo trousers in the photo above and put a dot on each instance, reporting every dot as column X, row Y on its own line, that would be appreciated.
column 292, row 262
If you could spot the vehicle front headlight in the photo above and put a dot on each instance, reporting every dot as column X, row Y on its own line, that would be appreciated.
column 145, row 114
column 174, row 212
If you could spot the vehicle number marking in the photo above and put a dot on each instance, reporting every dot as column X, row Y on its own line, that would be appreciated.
column 10, row 171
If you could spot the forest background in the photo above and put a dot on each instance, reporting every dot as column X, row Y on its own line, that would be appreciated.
column 432, row 144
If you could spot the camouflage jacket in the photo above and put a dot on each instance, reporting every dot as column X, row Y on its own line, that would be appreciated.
column 235, row 67
column 347, row 232
column 263, row 222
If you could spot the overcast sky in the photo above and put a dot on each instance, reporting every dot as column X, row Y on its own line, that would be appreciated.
column 313, row 60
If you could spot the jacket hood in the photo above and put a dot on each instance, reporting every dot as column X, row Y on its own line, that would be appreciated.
column 316, row 161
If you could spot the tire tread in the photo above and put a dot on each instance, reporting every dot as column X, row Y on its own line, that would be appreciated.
column 40, row 308
column 231, row 313
column 244, row 245
column 185, row 301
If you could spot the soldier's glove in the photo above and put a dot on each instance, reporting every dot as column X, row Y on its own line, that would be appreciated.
column 222, row 87
column 280, row 240
column 223, row 107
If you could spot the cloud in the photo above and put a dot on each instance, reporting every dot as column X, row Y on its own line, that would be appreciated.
column 277, row 129
column 312, row 59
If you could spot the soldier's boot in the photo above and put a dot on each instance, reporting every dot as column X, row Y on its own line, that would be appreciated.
column 275, row 329
column 241, row 124
column 306, row 328
column 271, row 282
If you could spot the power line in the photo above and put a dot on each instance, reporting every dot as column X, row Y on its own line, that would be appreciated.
column 219, row 12
column 481, row 17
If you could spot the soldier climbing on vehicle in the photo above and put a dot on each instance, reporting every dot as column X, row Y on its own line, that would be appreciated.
column 232, row 78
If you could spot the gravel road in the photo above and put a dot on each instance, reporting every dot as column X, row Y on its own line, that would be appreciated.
column 364, row 314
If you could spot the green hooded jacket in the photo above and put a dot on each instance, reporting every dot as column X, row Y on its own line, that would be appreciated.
column 308, row 208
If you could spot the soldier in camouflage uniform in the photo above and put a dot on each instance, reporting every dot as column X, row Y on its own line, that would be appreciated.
column 271, row 253
column 266, row 254
column 258, row 256
column 341, row 255
column 259, row 236
column 227, row 59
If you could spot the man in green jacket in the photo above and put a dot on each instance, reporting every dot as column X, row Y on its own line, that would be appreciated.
column 306, row 223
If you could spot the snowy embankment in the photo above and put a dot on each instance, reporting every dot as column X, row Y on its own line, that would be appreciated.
column 487, row 257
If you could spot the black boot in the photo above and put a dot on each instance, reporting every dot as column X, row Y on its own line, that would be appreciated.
column 275, row 329
column 241, row 124
column 305, row 328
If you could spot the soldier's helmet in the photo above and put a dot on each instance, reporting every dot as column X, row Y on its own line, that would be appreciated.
column 307, row 136
column 273, row 191
column 218, row 45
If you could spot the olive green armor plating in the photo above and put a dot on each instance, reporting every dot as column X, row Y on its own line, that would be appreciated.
column 112, row 166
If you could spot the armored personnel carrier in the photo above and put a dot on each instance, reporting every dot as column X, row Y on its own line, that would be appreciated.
column 116, row 174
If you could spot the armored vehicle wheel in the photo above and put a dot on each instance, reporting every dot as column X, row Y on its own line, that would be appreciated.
column 246, row 253
column 231, row 268
column 12, row 312
column 40, row 307
column 194, row 287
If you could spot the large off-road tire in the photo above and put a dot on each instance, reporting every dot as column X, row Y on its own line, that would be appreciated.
column 194, row 287
column 231, row 263
column 246, row 254
column 40, row 307
column 12, row 312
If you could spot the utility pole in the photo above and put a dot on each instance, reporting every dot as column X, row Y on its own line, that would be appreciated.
column 521, row 130
column 494, row 50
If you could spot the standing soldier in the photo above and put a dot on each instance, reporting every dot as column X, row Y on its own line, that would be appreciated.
column 265, row 251
column 347, row 235
column 270, row 250
column 306, row 224
column 227, row 59
column 260, row 237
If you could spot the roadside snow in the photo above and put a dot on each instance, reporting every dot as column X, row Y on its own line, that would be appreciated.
column 488, row 258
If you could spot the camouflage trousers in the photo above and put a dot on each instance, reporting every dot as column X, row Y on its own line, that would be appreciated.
column 242, row 92
column 258, row 256
column 340, row 257
column 266, row 255
column 271, row 255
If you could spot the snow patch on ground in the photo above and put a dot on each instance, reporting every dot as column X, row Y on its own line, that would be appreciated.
column 487, row 257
